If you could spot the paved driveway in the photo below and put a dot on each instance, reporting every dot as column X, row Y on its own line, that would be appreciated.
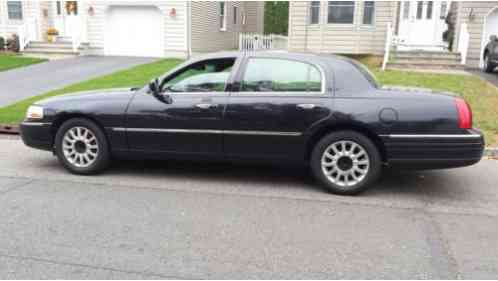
column 21, row 83
column 180, row 220
column 491, row 77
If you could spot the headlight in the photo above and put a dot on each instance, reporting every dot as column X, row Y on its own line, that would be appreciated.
column 34, row 112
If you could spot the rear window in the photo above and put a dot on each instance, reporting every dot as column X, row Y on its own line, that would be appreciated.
column 367, row 73
column 280, row 75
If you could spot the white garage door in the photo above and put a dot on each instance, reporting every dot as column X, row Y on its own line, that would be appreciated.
column 134, row 31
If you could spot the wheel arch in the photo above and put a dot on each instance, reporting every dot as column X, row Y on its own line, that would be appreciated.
column 63, row 117
column 318, row 134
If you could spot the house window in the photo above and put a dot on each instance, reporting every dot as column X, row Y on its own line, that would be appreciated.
column 420, row 8
column 315, row 12
column 223, row 18
column 429, row 10
column 368, row 12
column 234, row 15
column 14, row 10
column 444, row 10
column 406, row 10
column 341, row 12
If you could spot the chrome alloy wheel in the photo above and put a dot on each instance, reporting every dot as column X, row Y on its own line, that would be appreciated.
column 485, row 63
column 80, row 147
column 345, row 163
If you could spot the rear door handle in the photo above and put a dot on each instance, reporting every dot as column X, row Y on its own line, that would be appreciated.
column 205, row 105
column 306, row 106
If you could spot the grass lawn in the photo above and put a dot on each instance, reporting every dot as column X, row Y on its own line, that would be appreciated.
column 481, row 95
column 133, row 77
column 10, row 61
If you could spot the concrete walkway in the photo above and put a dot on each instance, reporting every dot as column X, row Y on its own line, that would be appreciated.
column 25, row 82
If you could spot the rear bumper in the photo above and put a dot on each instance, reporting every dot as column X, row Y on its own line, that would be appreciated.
column 434, row 151
column 37, row 135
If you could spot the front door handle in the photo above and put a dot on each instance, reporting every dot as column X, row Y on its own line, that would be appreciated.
column 205, row 105
column 306, row 106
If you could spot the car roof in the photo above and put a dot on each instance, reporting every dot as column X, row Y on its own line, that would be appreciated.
column 345, row 71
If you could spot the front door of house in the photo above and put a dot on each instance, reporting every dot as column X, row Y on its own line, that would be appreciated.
column 422, row 24
column 66, row 14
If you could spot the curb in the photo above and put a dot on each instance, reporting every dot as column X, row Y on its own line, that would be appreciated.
column 491, row 152
column 9, row 129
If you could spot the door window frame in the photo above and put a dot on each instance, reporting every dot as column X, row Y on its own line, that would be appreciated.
column 183, row 67
column 237, row 83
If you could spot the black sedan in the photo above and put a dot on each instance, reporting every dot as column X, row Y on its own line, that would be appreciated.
column 490, row 57
column 326, row 112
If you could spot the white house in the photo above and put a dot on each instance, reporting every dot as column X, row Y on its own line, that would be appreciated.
column 130, row 28
column 361, row 27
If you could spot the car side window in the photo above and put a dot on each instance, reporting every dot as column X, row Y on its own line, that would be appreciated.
column 205, row 76
column 280, row 75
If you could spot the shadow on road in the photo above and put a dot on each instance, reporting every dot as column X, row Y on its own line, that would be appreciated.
column 438, row 184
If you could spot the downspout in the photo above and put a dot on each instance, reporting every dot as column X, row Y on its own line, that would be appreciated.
column 189, row 29
column 306, row 27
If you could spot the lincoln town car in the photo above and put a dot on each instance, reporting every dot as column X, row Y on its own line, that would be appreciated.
column 322, row 112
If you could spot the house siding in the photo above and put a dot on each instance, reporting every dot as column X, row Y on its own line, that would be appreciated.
column 255, row 18
column 31, row 10
column 206, row 33
column 475, row 27
column 353, row 38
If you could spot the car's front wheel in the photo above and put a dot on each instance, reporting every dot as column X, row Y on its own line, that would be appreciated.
column 82, row 147
column 346, row 162
column 487, row 65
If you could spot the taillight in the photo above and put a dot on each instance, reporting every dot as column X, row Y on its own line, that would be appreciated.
column 464, row 114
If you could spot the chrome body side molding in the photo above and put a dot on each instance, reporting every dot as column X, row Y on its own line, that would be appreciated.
column 200, row 131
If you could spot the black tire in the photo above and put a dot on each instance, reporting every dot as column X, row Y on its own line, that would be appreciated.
column 488, row 66
column 100, row 162
column 374, row 158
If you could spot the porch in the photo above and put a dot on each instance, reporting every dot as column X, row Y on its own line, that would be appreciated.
column 67, row 23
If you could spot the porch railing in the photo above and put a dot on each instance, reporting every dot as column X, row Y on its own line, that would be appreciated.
column 78, row 29
column 28, row 31
column 253, row 42
column 463, row 42
column 388, row 45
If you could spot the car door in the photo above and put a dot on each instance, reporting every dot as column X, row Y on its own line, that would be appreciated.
column 192, row 122
column 274, row 102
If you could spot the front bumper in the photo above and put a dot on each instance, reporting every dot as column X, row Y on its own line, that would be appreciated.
column 434, row 151
column 37, row 135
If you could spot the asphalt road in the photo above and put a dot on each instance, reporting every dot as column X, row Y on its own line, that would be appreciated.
column 25, row 82
column 184, row 220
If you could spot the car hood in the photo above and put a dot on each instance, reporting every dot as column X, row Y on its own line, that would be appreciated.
column 96, row 95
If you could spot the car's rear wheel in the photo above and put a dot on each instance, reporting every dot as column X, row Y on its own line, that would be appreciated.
column 82, row 147
column 487, row 65
column 346, row 162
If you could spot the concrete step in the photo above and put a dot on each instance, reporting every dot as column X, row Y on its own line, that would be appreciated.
column 55, row 45
column 438, row 57
column 50, row 56
column 438, row 61
column 426, row 55
column 49, row 50
column 422, row 66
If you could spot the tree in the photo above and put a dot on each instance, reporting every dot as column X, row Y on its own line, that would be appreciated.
column 276, row 17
